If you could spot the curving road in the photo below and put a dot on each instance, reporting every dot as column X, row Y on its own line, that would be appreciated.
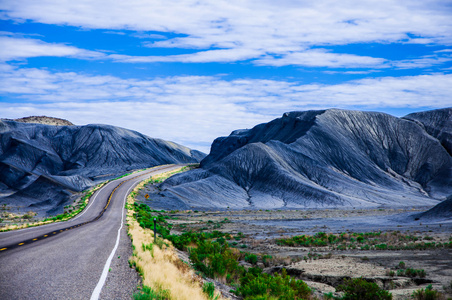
column 72, row 264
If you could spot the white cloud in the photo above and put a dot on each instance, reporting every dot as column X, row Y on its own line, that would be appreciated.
column 247, row 28
column 424, row 62
column 323, row 58
column 193, row 110
column 20, row 48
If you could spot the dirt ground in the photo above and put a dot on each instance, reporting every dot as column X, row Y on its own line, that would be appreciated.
column 324, row 268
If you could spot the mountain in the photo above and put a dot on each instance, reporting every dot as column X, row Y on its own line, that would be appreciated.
column 41, row 166
column 325, row 158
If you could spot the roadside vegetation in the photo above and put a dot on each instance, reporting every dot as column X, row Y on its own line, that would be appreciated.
column 164, row 274
column 70, row 211
column 20, row 221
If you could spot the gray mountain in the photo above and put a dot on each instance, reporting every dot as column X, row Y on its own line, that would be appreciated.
column 327, row 158
column 41, row 166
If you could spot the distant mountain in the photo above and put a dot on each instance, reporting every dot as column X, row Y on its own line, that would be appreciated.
column 41, row 166
column 326, row 158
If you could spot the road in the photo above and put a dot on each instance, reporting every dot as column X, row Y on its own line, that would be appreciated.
column 70, row 264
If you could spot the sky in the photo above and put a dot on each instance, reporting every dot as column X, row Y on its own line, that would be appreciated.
column 189, row 71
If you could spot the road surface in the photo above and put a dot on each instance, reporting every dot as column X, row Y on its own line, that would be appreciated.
column 50, row 262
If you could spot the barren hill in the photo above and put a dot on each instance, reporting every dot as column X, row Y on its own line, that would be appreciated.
column 42, row 165
column 45, row 120
column 328, row 158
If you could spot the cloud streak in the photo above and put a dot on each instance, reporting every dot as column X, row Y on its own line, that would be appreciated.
column 200, row 108
column 273, row 33
column 21, row 48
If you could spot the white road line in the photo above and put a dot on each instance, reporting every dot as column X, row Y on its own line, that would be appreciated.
column 103, row 277
column 96, row 293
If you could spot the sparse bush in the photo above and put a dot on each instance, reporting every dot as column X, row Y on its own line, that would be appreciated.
column 251, row 258
column 428, row 294
column 209, row 289
column 258, row 285
column 360, row 289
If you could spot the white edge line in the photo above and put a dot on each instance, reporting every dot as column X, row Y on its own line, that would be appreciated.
column 103, row 277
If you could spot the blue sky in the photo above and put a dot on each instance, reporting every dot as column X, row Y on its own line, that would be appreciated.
column 190, row 71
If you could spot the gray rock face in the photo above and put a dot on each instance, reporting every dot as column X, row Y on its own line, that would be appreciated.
column 41, row 165
column 438, row 123
column 329, row 158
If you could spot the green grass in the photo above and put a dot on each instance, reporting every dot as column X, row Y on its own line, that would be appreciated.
column 209, row 289
column 148, row 293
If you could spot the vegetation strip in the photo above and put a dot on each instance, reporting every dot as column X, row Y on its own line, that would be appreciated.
column 164, row 275
column 364, row 241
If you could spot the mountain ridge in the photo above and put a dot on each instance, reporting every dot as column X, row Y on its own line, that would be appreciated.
column 73, row 158
column 326, row 158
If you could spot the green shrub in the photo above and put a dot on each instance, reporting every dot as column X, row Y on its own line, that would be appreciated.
column 427, row 294
column 360, row 289
column 251, row 258
column 258, row 285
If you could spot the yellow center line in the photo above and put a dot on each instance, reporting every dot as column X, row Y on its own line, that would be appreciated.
column 45, row 235
column 35, row 239
column 3, row 249
column 21, row 244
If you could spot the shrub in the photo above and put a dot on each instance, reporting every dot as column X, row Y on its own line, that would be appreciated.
column 251, row 258
column 209, row 289
column 427, row 294
column 360, row 289
column 258, row 285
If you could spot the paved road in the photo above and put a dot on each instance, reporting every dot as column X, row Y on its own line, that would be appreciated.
column 69, row 264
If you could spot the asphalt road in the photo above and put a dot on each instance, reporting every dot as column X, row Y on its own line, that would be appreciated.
column 67, row 264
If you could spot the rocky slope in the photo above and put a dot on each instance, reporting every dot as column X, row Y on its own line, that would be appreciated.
column 41, row 166
column 328, row 158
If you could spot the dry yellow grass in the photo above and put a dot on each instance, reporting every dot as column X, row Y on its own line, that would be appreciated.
column 161, row 268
